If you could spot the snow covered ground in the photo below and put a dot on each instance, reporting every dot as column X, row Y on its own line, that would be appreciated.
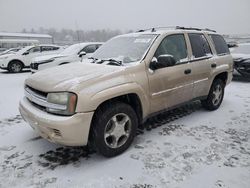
column 185, row 148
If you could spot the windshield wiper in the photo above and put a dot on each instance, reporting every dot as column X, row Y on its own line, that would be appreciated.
column 114, row 61
column 93, row 58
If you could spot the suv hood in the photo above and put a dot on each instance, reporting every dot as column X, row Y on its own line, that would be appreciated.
column 7, row 55
column 240, row 56
column 68, row 77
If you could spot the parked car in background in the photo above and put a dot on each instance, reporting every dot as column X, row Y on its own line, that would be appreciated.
column 9, row 51
column 71, row 54
column 3, row 49
column 15, row 62
column 241, row 57
column 129, row 79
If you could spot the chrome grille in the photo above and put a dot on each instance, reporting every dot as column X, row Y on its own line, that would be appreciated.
column 39, row 98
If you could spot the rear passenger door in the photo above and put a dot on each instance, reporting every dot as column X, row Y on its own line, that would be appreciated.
column 223, row 57
column 201, row 63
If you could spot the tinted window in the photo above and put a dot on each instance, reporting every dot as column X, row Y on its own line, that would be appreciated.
column 90, row 49
column 49, row 48
column 220, row 44
column 174, row 45
column 55, row 48
column 199, row 44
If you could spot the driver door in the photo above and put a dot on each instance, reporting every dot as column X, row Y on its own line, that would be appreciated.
column 173, row 85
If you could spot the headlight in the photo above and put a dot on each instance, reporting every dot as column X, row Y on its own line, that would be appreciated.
column 62, row 103
column 45, row 61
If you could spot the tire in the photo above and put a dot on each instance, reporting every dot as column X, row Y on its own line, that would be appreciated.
column 113, row 128
column 215, row 96
column 15, row 66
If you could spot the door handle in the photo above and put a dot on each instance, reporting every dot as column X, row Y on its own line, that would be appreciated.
column 213, row 65
column 187, row 71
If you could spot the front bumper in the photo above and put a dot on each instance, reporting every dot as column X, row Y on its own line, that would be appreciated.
column 3, row 65
column 65, row 130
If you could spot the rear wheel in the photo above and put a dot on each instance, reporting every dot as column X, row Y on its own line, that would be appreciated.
column 114, row 128
column 215, row 96
column 15, row 66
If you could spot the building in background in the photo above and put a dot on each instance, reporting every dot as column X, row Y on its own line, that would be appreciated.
column 13, row 40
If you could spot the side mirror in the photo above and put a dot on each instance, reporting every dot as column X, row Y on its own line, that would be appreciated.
column 82, row 54
column 162, row 61
column 26, row 53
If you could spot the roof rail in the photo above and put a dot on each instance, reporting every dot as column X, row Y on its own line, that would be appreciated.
column 194, row 28
column 153, row 29
column 188, row 28
column 206, row 29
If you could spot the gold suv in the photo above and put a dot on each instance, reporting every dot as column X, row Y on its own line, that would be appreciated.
column 101, row 100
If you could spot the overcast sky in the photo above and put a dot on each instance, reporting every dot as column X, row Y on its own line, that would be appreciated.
column 225, row 16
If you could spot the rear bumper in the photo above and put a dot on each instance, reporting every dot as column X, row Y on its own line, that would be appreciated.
column 65, row 130
column 229, row 77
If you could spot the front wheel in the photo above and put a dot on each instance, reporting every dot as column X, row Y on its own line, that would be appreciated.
column 114, row 128
column 15, row 66
column 215, row 96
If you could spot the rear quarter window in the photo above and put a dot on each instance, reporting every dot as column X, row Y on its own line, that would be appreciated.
column 220, row 44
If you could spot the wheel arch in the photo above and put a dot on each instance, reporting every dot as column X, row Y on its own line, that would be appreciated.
column 16, row 60
column 130, row 93
column 223, row 75
column 131, row 99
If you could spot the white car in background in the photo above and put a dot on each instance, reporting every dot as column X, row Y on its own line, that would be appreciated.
column 15, row 62
column 73, row 53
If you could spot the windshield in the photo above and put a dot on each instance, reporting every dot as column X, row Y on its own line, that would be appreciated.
column 73, row 49
column 126, row 48
column 24, row 49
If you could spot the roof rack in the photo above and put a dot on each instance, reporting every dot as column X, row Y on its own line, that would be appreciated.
column 153, row 29
column 194, row 28
column 206, row 29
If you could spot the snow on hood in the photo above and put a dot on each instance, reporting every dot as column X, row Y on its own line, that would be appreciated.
column 242, row 56
column 66, row 77
column 7, row 55
column 47, row 57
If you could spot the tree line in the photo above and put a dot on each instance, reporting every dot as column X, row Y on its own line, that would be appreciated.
column 70, row 36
